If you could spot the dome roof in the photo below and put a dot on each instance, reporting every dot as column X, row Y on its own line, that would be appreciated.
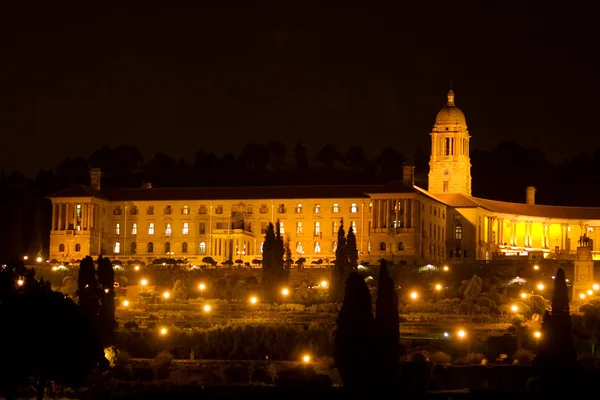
column 450, row 115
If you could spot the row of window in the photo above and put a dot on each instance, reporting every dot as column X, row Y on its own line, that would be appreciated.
column 185, row 228
column 263, row 209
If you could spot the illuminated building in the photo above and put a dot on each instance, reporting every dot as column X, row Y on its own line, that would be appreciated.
column 398, row 221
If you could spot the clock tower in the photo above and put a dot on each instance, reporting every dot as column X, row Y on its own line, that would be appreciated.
column 450, row 165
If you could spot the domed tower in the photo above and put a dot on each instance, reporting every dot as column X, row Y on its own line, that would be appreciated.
column 450, row 165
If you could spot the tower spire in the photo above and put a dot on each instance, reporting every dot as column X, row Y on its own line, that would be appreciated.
column 450, row 102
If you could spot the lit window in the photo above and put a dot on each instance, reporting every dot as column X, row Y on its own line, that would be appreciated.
column 458, row 232
column 117, row 229
column 202, row 247
column 336, row 208
column 299, row 208
column 151, row 229
column 184, row 247
column 78, row 207
column 317, row 228
column 185, row 210
column 134, row 229
column 317, row 247
column 261, row 246
column 281, row 229
column 168, row 229
column 334, row 227
column 299, row 248
column 353, row 225
column 590, row 229
column 298, row 227
column 353, row 208
column 317, row 208
column 186, row 228
column 117, row 247
column 334, row 246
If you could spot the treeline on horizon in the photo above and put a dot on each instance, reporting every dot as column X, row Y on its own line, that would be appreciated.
column 501, row 174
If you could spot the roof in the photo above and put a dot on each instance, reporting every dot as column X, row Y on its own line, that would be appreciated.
column 504, row 207
column 79, row 191
column 401, row 187
column 222, row 193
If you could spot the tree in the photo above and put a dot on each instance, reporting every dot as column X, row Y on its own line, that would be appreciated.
column 180, row 290
column 353, row 343
column 67, row 352
column 107, row 322
column 272, row 265
column 289, row 261
column 87, row 289
column 351, row 250
column 387, row 323
column 555, row 361
column 340, row 271
column 300, row 157
column 328, row 155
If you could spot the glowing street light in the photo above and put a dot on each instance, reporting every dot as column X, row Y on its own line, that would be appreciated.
column 324, row 284
column 137, row 268
column 438, row 287
column 590, row 292
column 582, row 296
column 166, row 295
column 285, row 291
column 446, row 268
column 414, row 295
column 25, row 258
column 514, row 308
column 536, row 267
column 306, row 359
column 462, row 334
column 125, row 303
column 20, row 282
column 163, row 331
column 201, row 286
column 540, row 286
column 253, row 300
column 523, row 295
column 595, row 286
column 55, row 268
column 144, row 282
column 537, row 334
column 38, row 259
column 206, row 308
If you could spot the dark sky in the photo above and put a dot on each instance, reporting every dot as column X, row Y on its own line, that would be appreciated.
column 177, row 79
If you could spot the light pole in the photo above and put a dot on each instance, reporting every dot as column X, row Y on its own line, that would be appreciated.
column 253, row 301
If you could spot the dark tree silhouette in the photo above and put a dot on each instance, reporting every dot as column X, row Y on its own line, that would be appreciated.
column 300, row 158
column 387, row 324
column 353, row 352
column 87, row 289
column 341, row 269
column 555, row 361
column 106, row 317
column 351, row 250
column 46, row 338
column 272, row 262
column 328, row 156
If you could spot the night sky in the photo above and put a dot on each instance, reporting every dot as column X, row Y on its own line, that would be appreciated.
column 177, row 79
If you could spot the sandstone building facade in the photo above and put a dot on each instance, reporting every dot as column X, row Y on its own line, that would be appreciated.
column 397, row 221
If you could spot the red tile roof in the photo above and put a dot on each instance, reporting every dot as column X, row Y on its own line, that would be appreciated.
column 503, row 207
column 224, row 193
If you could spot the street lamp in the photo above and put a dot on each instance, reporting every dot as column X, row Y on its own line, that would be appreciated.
column 438, row 289
column 306, row 359
column 38, row 259
column 20, row 282
column 523, row 295
column 582, row 296
column 514, row 308
column 324, row 284
column 285, row 292
column 536, row 267
column 446, row 268
column 540, row 286
column 595, row 286
column 137, row 268
column 163, row 331
column 462, row 335
column 253, row 301
column 143, row 282
column 125, row 303
column 590, row 292
column 166, row 295
column 206, row 308
column 202, row 286
column 414, row 295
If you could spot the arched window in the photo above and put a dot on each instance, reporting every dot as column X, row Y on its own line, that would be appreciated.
column 77, row 247
column 382, row 246
column 117, row 247
column 458, row 232
column 150, row 247
column 61, row 247
column 299, row 248
column 151, row 228
column 133, row 248
column 317, row 247
column 400, row 246
column 334, row 246
column 167, row 247
column 369, row 247
column 202, row 247
column 184, row 247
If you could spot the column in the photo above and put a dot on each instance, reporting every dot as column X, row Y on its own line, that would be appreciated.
column 396, row 213
column 405, row 216
column 562, row 236
column 412, row 213
column 513, row 232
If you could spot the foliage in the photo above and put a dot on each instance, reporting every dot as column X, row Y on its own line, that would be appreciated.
column 475, row 359
column 106, row 316
column 351, row 250
column 341, row 268
column 587, row 325
column 524, row 357
column 439, row 357
column 387, row 323
column 180, row 290
column 87, row 291
column 161, row 364
column 352, row 347
column 273, row 264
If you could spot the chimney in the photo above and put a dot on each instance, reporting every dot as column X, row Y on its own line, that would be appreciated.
column 530, row 195
column 147, row 185
column 95, row 176
column 408, row 174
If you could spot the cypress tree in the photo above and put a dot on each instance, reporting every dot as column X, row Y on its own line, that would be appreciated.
column 106, row 318
column 340, row 268
column 87, row 291
column 351, row 250
column 555, row 361
column 352, row 351
column 272, row 264
column 387, row 323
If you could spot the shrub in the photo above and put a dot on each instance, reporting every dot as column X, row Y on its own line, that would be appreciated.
column 161, row 364
column 475, row 359
column 524, row 357
column 439, row 357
